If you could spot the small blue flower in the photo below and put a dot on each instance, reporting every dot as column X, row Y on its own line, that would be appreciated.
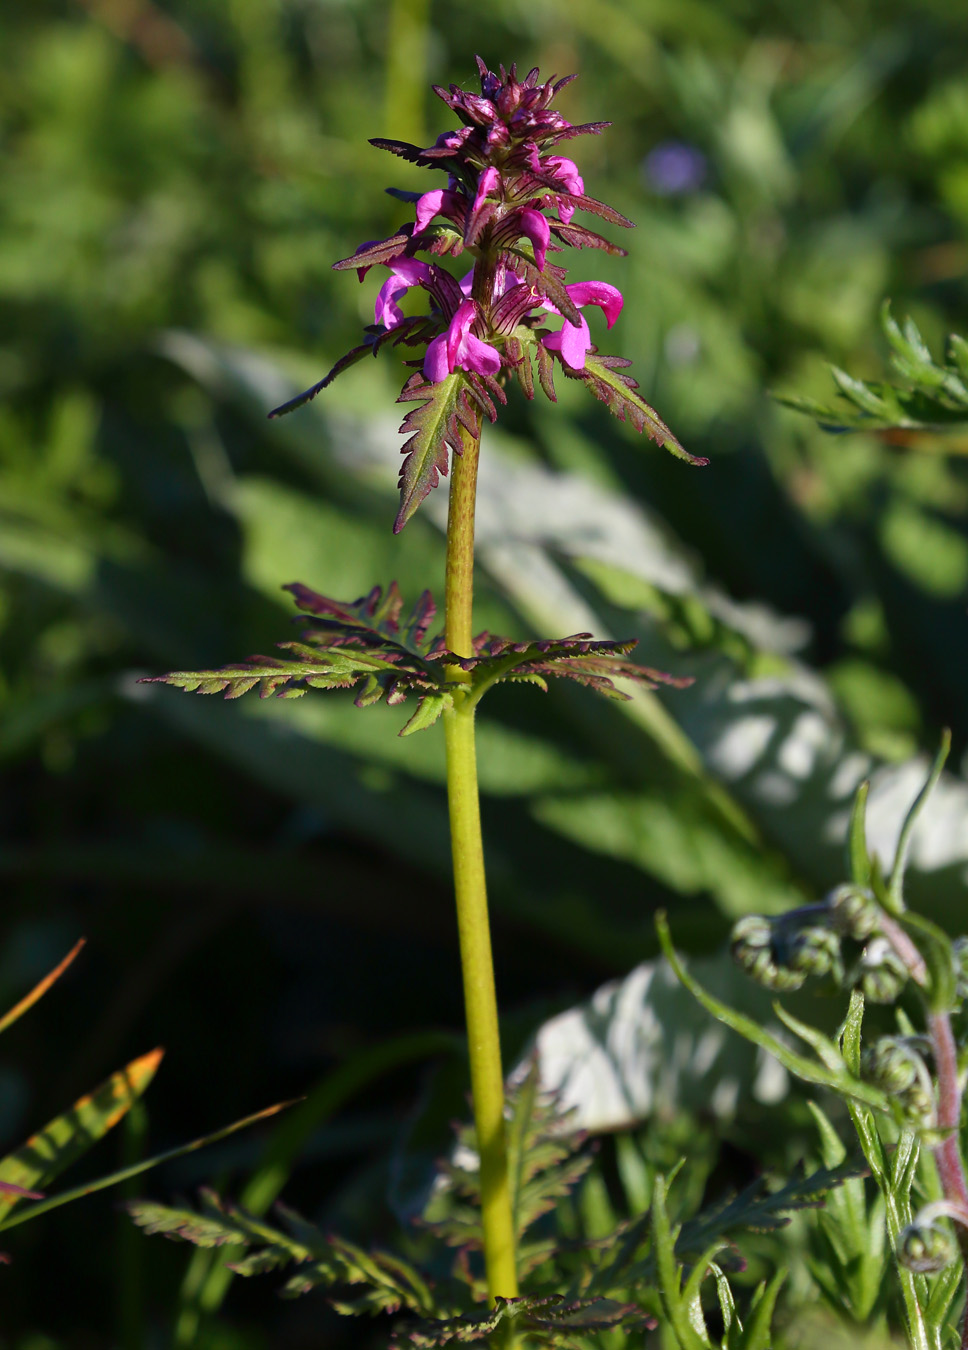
column 673, row 169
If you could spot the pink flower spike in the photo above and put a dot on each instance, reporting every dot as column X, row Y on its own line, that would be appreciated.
column 537, row 229
column 460, row 348
column 608, row 298
column 405, row 273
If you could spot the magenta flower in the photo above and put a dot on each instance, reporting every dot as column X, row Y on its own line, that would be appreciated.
column 537, row 229
column 563, row 171
column 404, row 273
column 459, row 348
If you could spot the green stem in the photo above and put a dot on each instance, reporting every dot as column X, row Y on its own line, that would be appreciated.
column 483, row 1036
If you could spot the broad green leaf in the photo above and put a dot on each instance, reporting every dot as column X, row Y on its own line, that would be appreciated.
column 67, row 1137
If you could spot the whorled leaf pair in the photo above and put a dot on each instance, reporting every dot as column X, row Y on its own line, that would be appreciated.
column 367, row 643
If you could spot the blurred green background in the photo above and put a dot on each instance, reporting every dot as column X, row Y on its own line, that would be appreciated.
column 264, row 885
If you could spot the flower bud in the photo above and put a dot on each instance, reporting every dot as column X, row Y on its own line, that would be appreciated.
column 880, row 972
column 752, row 931
column 815, row 950
column 753, row 950
column 895, row 1065
column 889, row 1064
column 917, row 1106
column 853, row 911
column 925, row 1248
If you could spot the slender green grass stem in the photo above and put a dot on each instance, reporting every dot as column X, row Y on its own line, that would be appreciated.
column 480, row 1000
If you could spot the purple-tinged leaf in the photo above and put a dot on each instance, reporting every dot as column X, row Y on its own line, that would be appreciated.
column 577, row 236
column 583, row 203
column 433, row 429
column 482, row 389
column 368, row 645
column 602, row 209
column 442, row 238
column 424, row 612
column 411, row 330
column 381, row 251
column 402, row 149
column 477, row 221
column 585, row 129
column 550, row 283
column 340, row 668
column 519, row 354
column 546, row 368
column 373, row 621
column 603, row 376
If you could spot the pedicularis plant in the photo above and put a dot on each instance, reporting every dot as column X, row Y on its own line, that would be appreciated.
column 510, row 202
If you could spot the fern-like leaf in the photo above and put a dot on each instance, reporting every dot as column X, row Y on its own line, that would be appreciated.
column 419, row 328
column 932, row 397
column 433, row 429
column 371, row 644
column 619, row 392
column 545, row 1319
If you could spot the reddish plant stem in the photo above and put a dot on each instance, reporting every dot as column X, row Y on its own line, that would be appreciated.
column 947, row 1154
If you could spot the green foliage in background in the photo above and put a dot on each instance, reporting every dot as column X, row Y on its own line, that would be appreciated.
column 176, row 181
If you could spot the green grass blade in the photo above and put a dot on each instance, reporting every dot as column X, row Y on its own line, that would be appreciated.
column 65, row 1138
column 39, row 989
column 124, row 1173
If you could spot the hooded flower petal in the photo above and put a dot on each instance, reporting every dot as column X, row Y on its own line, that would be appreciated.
column 567, row 171
column 574, row 343
column 488, row 182
column 404, row 273
column 442, row 201
column 537, row 229
column 608, row 298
